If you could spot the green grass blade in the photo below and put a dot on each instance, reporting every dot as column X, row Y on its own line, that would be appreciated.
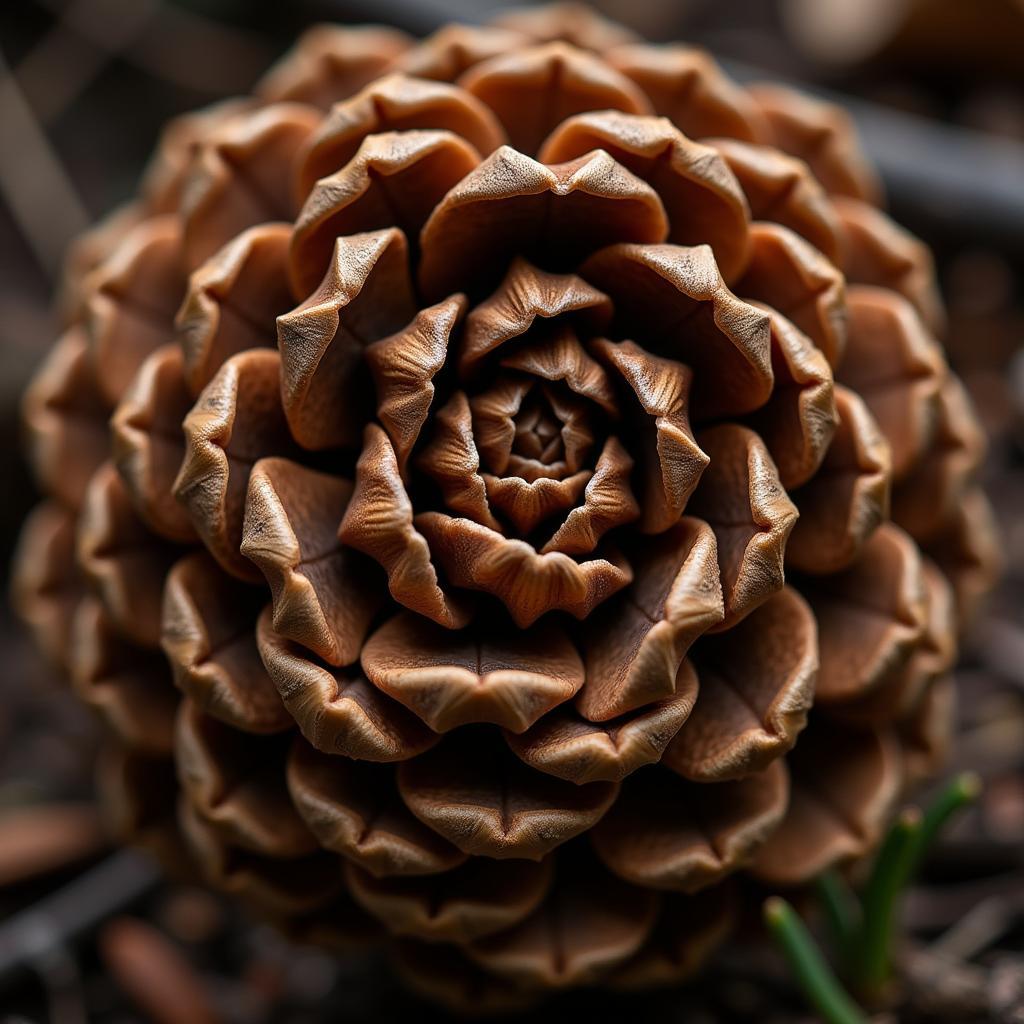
column 888, row 877
column 842, row 912
column 819, row 984
column 963, row 790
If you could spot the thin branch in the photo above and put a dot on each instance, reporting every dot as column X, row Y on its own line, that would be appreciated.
column 56, row 921
column 178, row 45
column 62, row 65
column 41, row 197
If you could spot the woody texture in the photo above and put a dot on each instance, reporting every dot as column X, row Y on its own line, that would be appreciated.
column 502, row 490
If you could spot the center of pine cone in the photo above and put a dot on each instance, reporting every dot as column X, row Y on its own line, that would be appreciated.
column 538, row 436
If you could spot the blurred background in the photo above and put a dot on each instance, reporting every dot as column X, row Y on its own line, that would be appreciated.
column 937, row 89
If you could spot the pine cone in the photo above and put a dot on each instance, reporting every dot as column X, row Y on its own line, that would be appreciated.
column 544, row 516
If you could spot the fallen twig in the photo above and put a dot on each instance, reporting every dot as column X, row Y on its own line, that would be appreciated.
column 60, row 918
